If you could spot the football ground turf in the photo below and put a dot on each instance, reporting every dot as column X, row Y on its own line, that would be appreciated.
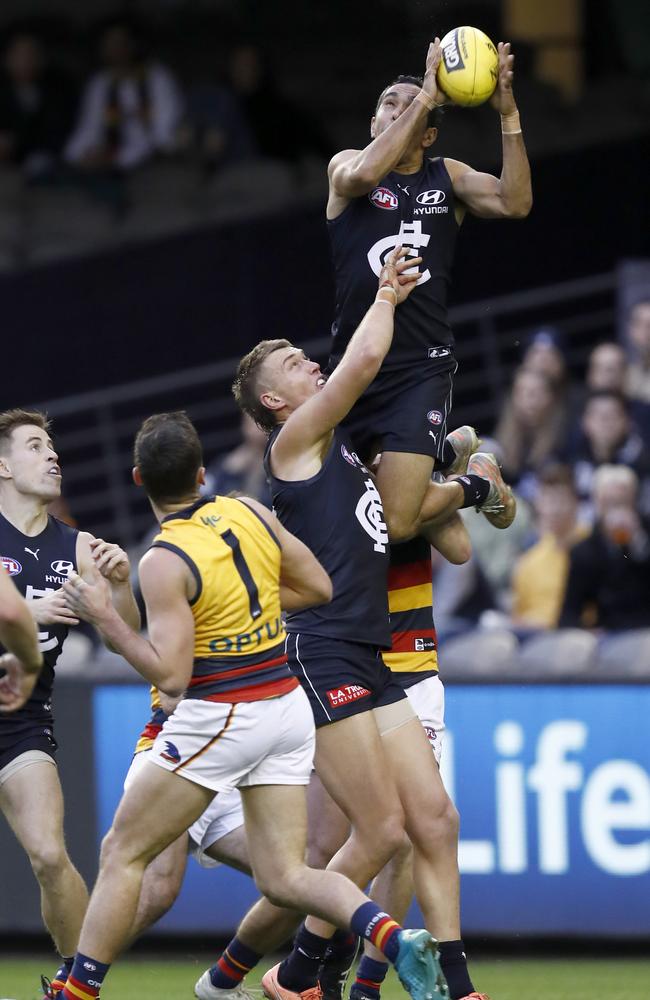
column 150, row 978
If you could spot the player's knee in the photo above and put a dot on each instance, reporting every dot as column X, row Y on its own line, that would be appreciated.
column 438, row 826
column 116, row 851
column 388, row 836
column 321, row 848
column 156, row 898
column 276, row 885
column 404, row 853
column 49, row 860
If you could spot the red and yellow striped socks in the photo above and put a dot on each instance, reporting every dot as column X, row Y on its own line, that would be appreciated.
column 373, row 924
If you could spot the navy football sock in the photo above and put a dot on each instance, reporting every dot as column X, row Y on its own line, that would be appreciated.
column 85, row 978
column 236, row 962
column 299, row 971
column 453, row 962
column 370, row 976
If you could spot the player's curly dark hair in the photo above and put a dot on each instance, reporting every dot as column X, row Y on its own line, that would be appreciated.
column 434, row 118
column 168, row 454
column 247, row 384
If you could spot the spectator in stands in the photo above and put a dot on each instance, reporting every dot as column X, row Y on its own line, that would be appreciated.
column 37, row 106
column 609, row 436
column 281, row 129
column 638, row 333
column 539, row 575
column 545, row 353
column 609, row 572
column 530, row 429
column 215, row 127
column 606, row 372
column 607, row 368
column 131, row 109
column 242, row 469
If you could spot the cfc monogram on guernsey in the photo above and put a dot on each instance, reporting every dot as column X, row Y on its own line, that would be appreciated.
column 416, row 211
column 239, row 637
column 413, row 654
column 338, row 515
column 38, row 566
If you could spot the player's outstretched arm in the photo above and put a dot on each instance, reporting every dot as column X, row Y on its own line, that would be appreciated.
column 509, row 196
column 354, row 172
column 309, row 426
column 22, row 663
column 303, row 581
column 165, row 657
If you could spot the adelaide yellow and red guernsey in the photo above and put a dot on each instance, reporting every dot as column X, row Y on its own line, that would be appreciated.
column 413, row 655
column 239, row 637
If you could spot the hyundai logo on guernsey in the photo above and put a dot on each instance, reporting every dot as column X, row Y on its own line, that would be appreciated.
column 62, row 567
column 170, row 753
column 383, row 197
column 12, row 566
column 430, row 203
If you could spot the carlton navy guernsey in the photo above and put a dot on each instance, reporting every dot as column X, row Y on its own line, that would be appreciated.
column 416, row 211
column 38, row 565
column 338, row 515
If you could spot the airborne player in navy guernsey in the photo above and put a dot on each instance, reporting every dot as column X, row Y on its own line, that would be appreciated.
column 39, row 552
column 393, row 193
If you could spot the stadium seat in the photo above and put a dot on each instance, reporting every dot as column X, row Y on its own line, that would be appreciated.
column 626, row 654
column 11, row 237
column 66, row 223
column 150, row 220
column 161, row 183
column 478, row 654
column 251, row 188
column 565, row 651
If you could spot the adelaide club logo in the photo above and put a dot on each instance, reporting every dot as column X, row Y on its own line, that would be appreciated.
column 383, row 197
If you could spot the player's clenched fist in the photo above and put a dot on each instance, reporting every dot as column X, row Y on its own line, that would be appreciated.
column 111, row 561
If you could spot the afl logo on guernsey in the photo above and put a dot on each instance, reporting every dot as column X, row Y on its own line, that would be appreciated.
column 434, row 417
column 384, row 198
column 12, row 566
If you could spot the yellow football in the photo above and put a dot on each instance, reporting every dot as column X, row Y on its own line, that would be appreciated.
column 469, row 68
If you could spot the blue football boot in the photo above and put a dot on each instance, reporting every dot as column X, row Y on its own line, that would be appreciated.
column 418, row 967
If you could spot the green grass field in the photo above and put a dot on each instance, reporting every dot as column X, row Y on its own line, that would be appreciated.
column 145, row 978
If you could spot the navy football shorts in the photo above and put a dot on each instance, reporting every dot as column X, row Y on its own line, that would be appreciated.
column 340, row 678
column 39, row 738
column 404, row 411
